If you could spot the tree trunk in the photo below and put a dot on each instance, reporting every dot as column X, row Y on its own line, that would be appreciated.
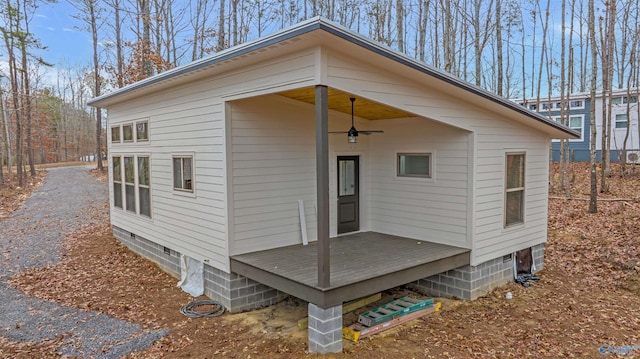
column 27, row 88
column 221, row 35
column 97, row 82
column 499, row 85
column 593, row 198
column 400, row 25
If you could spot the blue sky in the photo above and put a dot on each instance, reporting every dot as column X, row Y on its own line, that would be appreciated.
column 56, row 28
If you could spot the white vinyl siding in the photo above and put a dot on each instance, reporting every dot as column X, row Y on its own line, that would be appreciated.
column 431, row 209
column 474, row 175
column 273, row 166
column 190, row 118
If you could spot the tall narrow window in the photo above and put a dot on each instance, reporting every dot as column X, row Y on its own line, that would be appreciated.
column 127, row 133
column 144, row 186
column 142, row 132
column 183, row 173
column 115, row 134
column 129, row 184
column 117, row 182
column 514, row 192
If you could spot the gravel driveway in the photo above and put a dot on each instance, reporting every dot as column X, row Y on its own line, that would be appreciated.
column 30, row 238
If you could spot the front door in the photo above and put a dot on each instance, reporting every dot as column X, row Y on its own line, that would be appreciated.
column 348, row 194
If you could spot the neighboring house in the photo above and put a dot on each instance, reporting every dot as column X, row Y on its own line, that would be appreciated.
column 229, row 160
column 579, row 120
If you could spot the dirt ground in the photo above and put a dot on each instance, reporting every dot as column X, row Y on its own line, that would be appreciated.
column 587, row 300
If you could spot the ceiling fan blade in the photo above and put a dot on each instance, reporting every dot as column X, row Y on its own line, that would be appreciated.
column 370, row 132
column 337, row 132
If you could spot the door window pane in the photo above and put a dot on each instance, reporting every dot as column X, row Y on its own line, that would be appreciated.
column 347, row 178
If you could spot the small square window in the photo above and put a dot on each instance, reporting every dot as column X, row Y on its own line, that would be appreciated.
column 115, row 134
column 142, row 133
column 183, row 173
column 414, row 165
column 127, row 133
column 621, row 121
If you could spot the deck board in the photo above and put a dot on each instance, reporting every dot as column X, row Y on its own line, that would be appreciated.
column 354, row 258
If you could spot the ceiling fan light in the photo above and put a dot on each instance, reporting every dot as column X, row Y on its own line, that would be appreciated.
column 353, row 135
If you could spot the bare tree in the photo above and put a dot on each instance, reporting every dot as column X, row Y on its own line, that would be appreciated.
column 89, row 13
column 607, row 40
column 593, row 198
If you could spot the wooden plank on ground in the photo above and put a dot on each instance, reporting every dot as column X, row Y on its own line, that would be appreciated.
column 358, row 331
column 346, row 308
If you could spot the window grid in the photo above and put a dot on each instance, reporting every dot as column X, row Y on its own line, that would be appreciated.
column 621, row 120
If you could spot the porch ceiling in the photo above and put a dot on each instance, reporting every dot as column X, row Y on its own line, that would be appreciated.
column 339, row 101
column 361, row 264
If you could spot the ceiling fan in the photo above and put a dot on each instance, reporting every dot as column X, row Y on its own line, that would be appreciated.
column 353, row 133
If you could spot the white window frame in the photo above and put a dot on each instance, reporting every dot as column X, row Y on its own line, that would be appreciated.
column 133, row 133
column 624, row 99
column 511, row 190
column 117, row 179
column 119, row 128
column 581, row 139
column 135, row 126
column 428, row 154
column 182, row 191
column 138, row 185
column 582, row 102
column 125, row 183
column 626, row 122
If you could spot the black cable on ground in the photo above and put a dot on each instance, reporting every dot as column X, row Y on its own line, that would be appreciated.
column 190, row 309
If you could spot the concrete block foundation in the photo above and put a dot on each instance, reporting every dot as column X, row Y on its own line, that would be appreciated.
column 470, row 282
column 325, row 329
column 235, row 292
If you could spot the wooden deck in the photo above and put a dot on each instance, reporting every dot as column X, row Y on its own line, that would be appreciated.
column 361, row 264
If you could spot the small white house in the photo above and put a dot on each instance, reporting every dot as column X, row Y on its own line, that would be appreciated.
column 232, row 160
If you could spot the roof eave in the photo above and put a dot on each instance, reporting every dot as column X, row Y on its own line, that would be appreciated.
column 344, row 33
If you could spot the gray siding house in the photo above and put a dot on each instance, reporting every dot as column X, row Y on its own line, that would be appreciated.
column 232, row 160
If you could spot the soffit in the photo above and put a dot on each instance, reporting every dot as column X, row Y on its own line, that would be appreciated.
column 339, row 101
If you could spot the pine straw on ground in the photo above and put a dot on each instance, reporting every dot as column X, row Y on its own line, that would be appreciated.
column 589, row 296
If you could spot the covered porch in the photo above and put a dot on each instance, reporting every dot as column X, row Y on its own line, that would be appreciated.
column 361, row 264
